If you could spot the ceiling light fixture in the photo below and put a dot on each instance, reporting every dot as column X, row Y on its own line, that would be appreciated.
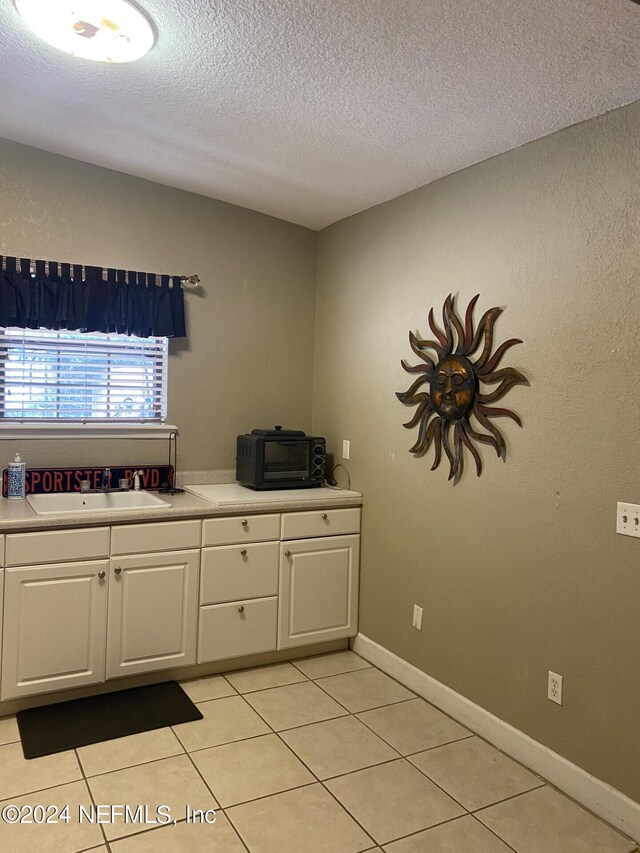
column 106, row 30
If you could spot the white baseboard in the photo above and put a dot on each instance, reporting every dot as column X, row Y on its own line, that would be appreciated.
column 603, row 800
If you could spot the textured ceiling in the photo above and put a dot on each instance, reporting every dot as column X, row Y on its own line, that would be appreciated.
column 311, row 110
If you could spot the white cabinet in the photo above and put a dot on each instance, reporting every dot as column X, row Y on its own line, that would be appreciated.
column 238, row 587
column 88, row 604
column 238, row 628
column 54, row 627
column 318, row 590
column 156, row 536
column 319, row 571
column 153, row 605
column 56, row 610
column 153, row 597
column 320, row 522
column 57, row 546
column 1, row 600
column 1, row 592
column 233, row 572
column 56, row 633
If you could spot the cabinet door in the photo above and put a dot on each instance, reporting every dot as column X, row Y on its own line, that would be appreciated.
column 318, row 590
column 153, row 611
column 1, row 599
column 236, row 629
column 54, row 627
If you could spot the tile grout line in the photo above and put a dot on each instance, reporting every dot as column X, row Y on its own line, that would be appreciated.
column 493, row 833
column 400, row 757
column 418, row 751
column 367, row 665
column 138, row 763
column 315, row 779
column 288, row 748
column 314, row 775
column 403, row 758
column 217, row 801
column 321, row 781
column 406, row 757
column 272, row 687
column 544, row 782
column 362, row 710
column 143, row 832
column 507, row 799
column 270, row 733
column 86, row 782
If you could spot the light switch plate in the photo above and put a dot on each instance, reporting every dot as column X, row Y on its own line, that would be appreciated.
column 628, row 519
column 346, row 448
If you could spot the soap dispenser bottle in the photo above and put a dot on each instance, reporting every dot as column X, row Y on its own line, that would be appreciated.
column 16, row 476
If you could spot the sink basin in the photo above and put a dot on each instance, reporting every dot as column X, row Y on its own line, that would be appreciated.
column 98, row 502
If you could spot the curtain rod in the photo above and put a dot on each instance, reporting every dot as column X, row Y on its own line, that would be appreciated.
column 188, row 281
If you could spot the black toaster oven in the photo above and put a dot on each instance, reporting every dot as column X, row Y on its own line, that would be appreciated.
column 280, row 459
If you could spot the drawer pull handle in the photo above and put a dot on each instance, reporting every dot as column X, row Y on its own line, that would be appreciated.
column 241, row 608
column 244, row 522
column 101, row 575
column 324, row 516
column 244, row 552
column 117, row 570
column 287, row 553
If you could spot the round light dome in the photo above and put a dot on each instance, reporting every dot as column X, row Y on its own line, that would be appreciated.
column 104, row 30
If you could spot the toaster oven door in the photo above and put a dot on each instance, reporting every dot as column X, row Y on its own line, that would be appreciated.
column 287, row 460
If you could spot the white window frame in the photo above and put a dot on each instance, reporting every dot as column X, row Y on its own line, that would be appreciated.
column 95, row 427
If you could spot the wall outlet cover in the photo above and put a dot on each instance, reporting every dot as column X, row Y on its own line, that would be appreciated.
column 554, row 687
column 628, row 519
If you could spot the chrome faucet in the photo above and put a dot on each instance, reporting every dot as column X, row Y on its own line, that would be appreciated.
column 136, row 480
column 105, row 484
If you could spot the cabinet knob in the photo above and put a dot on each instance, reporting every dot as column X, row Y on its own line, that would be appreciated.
column 244, row 522
column 287, row 553
column 244, row 552
column 241, row 608
column 117, row 570
column 101, row 575
column 324, row 516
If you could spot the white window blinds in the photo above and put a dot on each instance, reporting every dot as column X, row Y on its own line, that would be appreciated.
column 81, row 378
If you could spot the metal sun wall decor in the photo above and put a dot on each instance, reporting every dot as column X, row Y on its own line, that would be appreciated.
column 454, row 379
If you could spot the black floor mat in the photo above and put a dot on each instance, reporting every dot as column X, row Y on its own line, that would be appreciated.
column 55, row 728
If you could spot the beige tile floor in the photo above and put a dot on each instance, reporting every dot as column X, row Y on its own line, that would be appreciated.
column 324, row 755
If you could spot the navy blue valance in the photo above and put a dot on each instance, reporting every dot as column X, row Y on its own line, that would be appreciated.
column 49, row 295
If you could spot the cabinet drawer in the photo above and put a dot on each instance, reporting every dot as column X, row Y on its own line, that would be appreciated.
column 146, row 538
column 57, row 546
column 226, row 631
column 320, row 522
column 239, row 571
column 250, row 528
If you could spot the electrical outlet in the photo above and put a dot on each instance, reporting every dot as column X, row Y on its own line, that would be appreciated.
column 554, row 687
column 628, row 519
column 417, row 617
column 346, row 448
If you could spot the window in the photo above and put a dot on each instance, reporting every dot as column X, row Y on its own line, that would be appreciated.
column 72, row 378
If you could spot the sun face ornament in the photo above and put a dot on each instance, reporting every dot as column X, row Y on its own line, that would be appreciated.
column 454, row 395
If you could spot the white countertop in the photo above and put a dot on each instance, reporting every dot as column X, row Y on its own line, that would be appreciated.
column 17, row 516
column 225, row 494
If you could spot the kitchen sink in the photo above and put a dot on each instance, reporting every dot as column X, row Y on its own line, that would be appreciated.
column 94, row 502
